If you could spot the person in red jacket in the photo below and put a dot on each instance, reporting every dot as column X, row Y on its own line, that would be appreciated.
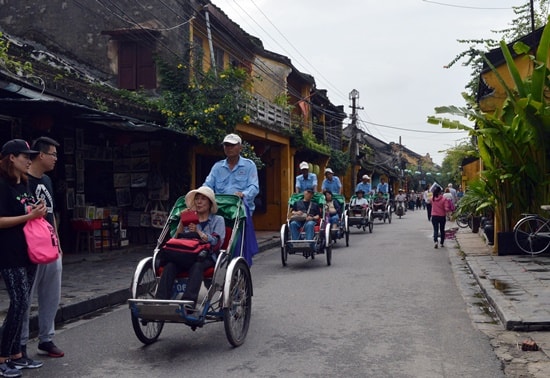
column 440, row 207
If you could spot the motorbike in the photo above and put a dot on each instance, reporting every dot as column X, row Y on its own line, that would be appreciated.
column 400, row 209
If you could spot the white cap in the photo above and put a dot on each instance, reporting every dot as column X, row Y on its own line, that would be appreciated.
column 366, row 177
column 304, row 165
column 232, row 139
column 328, row 170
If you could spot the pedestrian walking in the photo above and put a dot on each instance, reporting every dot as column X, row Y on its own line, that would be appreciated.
column 440, row 207
column 47, row 283
column 427, row 195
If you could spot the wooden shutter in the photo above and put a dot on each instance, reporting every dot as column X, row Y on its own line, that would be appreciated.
column 136, row 67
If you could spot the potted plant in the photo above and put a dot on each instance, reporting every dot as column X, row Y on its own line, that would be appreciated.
column 477, row 201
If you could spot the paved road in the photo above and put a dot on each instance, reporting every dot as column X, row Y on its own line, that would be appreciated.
column 388, row 306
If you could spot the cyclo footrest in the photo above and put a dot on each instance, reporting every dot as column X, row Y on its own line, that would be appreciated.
column 159, row 309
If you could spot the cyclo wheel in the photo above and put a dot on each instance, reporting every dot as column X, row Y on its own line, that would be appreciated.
column 346, row 231
column 532, row 235
column 236, row 317
column 146, row 331
column 284, row 246
column 328, row 252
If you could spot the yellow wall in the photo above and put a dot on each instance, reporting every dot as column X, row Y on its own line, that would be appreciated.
column 280, row 181
column 269, row 78
column 470, row 172
column 495, row 100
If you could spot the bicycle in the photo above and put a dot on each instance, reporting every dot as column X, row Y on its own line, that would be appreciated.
column 464, row 220
column 532, row 233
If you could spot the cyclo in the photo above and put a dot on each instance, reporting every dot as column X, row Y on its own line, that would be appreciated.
column 305, row 247
column 381, row 207
column 228, row 296
column 359, row 216
column 343, row 228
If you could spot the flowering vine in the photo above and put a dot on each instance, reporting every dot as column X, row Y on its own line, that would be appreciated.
column 209, row 107
column 249, row 153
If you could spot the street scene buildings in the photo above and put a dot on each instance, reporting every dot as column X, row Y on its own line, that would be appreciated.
column 92, row 77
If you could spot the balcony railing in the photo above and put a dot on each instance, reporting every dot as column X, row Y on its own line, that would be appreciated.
column 268, row 114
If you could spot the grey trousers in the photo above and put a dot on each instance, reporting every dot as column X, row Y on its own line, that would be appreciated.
column 47, row 287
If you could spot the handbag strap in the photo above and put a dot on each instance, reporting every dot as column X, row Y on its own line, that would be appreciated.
column 159, row 206
column 147, row 206
column 309, row 208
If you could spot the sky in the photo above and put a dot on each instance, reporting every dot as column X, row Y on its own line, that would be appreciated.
column 393, row 52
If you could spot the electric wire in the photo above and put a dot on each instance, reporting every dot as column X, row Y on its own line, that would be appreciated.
column 465, row 6
column 295, row 49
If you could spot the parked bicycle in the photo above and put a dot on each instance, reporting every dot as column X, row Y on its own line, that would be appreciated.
column 532, row 233
column 464, row 220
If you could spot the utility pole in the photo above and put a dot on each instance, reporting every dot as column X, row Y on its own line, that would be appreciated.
column 353, row 96
column 210, row 44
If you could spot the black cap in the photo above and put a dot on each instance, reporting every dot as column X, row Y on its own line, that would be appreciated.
column 308, row 190
column 15, row 147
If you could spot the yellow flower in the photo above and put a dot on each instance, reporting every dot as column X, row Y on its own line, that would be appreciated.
column 180, row 66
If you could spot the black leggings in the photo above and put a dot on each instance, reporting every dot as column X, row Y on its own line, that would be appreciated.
column 438, row 223
column 18, row 284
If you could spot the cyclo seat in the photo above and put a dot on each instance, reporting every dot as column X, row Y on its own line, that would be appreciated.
column 208, row 272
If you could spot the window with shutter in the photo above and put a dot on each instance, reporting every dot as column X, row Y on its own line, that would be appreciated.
column 136, row 66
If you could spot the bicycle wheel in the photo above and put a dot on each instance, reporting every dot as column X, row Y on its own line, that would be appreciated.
column 462, row 221
column 532, row 235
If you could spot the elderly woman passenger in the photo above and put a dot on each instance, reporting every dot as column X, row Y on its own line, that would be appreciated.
column 210, row 229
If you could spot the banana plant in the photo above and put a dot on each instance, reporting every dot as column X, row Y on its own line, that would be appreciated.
column 512, row 141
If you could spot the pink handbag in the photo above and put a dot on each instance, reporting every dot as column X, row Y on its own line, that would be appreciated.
column 42, row 244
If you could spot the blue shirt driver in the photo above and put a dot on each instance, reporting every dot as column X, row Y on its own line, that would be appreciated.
column 235, row 174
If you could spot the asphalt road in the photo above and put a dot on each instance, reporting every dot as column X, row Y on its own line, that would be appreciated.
column 388, row 306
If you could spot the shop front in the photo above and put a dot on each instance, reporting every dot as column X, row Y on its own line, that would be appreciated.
column 114, row 179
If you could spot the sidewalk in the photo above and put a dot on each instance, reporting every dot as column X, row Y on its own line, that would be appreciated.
column 517, row 286
column 92, row 281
